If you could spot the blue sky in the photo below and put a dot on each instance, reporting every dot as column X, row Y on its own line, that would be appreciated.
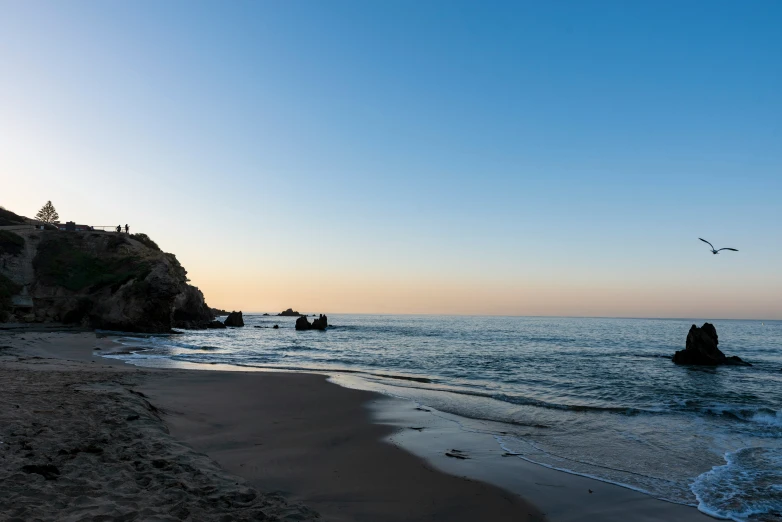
column 414, row 157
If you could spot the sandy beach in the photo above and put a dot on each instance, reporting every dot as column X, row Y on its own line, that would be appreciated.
column 87, row 438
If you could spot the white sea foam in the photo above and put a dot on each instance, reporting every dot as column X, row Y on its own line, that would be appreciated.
column 768, row 418
column 746, row 488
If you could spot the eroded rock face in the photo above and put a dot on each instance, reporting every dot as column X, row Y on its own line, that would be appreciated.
column 234, row 319
column 701, row 349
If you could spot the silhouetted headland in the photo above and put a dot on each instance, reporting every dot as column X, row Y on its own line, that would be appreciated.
column 289, row 313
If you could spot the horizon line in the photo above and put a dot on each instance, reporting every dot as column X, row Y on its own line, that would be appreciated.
column 530, row 316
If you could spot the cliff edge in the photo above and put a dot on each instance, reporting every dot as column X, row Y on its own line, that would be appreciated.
column 96, row 279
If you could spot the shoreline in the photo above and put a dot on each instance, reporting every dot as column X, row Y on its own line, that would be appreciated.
column 403, row 412
column 392, row 432
column 378, row 480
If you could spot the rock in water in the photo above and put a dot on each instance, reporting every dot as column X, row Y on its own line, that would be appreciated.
column 234, row 319
column 320, row 323
column 317, row 324
column 303, row 324
column 701, row 349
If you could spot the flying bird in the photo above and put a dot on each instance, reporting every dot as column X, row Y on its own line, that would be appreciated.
column 712, row 247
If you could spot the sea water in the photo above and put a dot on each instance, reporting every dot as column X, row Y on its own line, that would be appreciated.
column 597, row 397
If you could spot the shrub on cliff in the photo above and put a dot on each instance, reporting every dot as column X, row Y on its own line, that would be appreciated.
column 10, row 243
column 7, row 289
column 146, row 241
column 64, row 261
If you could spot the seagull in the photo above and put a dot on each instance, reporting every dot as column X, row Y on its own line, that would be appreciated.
column 712, row 247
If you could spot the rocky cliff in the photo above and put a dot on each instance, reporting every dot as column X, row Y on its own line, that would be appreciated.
column 96, row 279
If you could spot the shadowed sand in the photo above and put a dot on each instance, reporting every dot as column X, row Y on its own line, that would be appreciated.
column 79, row 443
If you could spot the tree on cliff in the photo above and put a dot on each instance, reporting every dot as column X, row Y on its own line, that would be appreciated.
column 48, row 214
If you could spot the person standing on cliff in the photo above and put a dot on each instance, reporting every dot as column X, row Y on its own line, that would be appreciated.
column 119, row 228
column 127, row 229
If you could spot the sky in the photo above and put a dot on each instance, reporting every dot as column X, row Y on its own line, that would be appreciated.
column 438, row 157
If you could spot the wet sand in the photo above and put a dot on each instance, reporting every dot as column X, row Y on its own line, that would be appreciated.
column 312, row 441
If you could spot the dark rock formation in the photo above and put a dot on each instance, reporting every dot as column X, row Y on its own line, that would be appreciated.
column 290, row 313
column 190, row 309
column 234, row 319
column 701, row 349
column 320, row 323
column 216, row 324
column 317, row 324
column 276, row 326
column 100, row 280
column 218, row 312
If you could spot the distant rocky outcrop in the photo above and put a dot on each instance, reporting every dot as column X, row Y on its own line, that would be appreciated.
column 321, row 323
column 290, row 313
column 234, row 319
column 701, row 349
column 94, row 279
column 217, row 312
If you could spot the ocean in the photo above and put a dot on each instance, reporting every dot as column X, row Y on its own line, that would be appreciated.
column 592, row 396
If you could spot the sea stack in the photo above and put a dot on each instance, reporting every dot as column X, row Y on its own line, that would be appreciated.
column 234, row 319
column 701, row 349
column 317, row 324
column 320, row 323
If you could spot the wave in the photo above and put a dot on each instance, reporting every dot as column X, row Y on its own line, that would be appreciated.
column 747, row 487
column 758, row 414
column 765, row 417
column 299, row 348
